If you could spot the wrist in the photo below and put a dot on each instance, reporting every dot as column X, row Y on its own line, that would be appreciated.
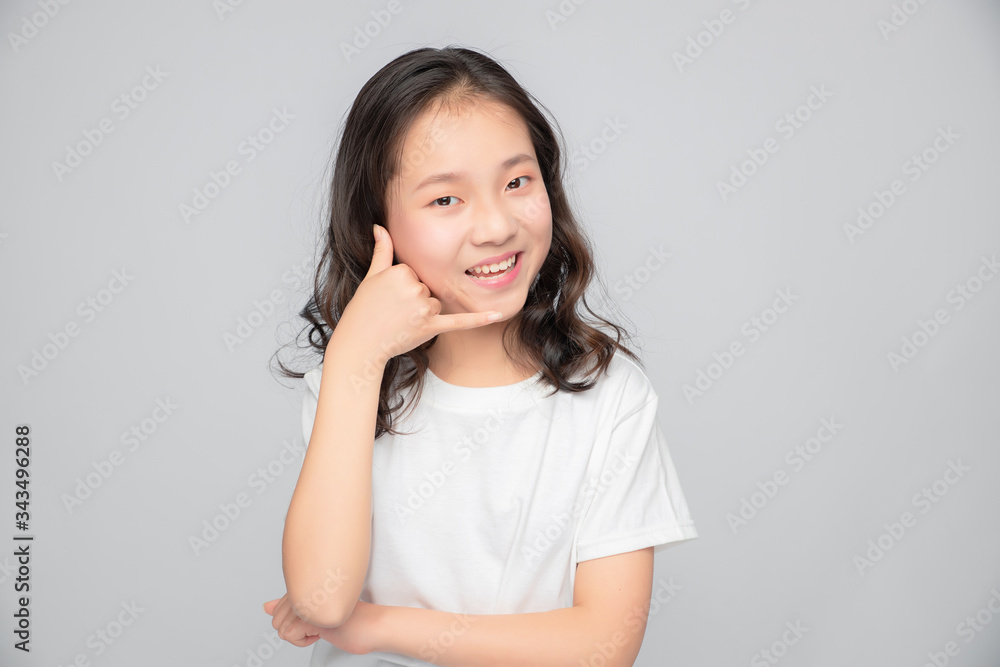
column 375, row 616
column 359, row 351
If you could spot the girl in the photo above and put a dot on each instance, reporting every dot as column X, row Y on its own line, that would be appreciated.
column 510, row 514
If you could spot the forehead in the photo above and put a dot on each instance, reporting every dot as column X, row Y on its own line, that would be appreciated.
column 462, row 132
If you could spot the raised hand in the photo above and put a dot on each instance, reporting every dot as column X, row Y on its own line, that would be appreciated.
column 392, row 312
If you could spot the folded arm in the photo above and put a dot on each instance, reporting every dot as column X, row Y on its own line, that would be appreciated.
column 604, row 626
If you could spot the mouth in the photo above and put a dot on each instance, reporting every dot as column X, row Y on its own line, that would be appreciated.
column 495, row 270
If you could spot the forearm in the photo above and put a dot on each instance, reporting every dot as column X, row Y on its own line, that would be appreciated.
column 327, row 537
column 571, row 636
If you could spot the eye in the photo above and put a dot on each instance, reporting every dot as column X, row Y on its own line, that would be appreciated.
column 438, row 201
column 526, row 178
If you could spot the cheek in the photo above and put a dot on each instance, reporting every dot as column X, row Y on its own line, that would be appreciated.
column 536, row 210
column 427, row 249
column 538, row 218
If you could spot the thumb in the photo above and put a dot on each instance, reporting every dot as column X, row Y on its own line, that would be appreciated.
column 382, row 256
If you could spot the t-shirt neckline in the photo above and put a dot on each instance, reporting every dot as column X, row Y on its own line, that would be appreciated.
column 509, row 395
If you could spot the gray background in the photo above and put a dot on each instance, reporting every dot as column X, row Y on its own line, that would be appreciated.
column 163, row 337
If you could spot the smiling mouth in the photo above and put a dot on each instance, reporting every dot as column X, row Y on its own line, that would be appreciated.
column 498, row 269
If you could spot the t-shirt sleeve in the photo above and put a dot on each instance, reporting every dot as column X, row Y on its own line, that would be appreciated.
column 310, row 402
column 638, row 501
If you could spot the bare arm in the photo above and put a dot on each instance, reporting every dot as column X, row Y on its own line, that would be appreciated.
column 605, row 625
column 327, row 538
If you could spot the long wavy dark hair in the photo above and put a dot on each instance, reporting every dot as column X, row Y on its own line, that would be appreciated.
column 548, row 331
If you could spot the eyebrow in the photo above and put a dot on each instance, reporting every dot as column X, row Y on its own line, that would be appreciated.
column 451, row 176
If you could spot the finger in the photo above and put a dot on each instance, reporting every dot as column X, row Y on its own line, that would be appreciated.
column 302, row 643
column 295, row 630
column 270, row 605
column 455, row 321
column 288, row 631
column 287, row 618
column 282, row 614
column 382, row 255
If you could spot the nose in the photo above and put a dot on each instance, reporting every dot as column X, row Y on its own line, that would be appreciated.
column 494, row 223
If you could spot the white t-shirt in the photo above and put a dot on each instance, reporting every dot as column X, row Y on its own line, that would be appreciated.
column 498, row 492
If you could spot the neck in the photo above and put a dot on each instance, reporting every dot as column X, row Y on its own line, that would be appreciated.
column 475, row 358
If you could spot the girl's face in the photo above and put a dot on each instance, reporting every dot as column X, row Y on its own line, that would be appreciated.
column 469, row 192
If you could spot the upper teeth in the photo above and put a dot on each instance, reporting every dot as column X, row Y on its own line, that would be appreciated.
column 494, row 268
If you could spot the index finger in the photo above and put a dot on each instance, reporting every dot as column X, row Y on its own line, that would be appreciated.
column 454, row 321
